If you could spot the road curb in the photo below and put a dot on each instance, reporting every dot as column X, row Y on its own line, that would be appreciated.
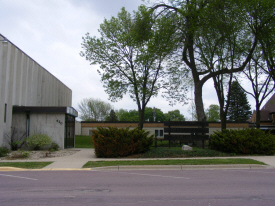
column 3, row 169
column 183, row 167
column 12, row 169
column 148, row 167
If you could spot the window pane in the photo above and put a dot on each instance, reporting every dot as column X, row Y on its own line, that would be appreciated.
column 156, row 133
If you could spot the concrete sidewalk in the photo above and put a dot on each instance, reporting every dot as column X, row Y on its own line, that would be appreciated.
column 77, row 160
column 82, row 156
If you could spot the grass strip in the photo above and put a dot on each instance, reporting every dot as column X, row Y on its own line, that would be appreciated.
column 83, row 141
column 176, row 152
column 25, row 165
column 91, row 164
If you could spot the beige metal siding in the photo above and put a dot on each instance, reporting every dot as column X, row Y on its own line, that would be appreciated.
column 24, row 82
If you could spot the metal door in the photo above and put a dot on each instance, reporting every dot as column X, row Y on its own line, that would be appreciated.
column 69, row 131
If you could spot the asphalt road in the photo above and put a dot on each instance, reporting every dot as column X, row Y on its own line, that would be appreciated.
column 151, row 187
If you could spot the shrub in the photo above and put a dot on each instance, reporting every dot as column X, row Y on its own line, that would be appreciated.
column 36, row 141
column 3, row 151
column 247, row 141
column 54, row 147
column 114, row 142
column 15, row 138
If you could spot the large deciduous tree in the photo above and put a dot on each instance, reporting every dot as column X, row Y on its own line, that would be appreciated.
column 153, row 115
column 132, row 62
column 203, row 30
column 263, row 14
column 124, row 115
column 94, row 109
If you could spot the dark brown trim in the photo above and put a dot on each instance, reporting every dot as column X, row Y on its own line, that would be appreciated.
column 45, row 110
column 23, row 109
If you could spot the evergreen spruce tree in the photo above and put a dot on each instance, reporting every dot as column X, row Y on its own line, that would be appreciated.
column 112, row 117
column 239, row 109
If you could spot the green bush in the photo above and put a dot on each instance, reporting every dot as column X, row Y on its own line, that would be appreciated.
column 3, row 151
column 54, row 146
column 247, row 141
column 36, row 141
column 114, row 142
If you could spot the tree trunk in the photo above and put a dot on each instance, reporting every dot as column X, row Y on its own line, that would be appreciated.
column 223, row 119
column 199, row 103
column 141, row 117
column 258, row 116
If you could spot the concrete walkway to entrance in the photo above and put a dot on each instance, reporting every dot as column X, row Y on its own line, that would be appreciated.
column 82, row 156
column 77, row 160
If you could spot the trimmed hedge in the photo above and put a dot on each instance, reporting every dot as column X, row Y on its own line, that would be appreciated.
column 247, row 141
column 114, row 142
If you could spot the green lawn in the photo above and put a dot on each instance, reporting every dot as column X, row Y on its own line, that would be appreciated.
column 25, row 165
column 91, row 164
column 175, row 152
column 83, row 141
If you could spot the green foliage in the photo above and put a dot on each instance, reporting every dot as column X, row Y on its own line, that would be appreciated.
column 239, row 109
column 213, row 113
column 149, row 115
column 36, row 141
column 248, row 141
column 26, row 165
column 54, row 146
column 3, row 151
column 142, row 29
column 120, row 142
column 176, row 152
column 111, row 117
column 131, row 62
column 174, row 115
column 127, row 116
column 132, row 115
column 172, row 162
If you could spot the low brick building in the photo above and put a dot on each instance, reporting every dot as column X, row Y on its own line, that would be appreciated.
column 153, row 127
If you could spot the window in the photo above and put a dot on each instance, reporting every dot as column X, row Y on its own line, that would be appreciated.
column 5, row 114
column 159, row 132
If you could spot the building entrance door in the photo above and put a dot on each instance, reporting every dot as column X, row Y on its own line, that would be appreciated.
column 69, row 131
